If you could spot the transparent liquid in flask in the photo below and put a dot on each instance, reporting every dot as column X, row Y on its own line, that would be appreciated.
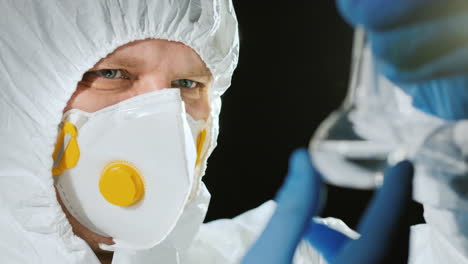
column 343, row 157
column 346, row 159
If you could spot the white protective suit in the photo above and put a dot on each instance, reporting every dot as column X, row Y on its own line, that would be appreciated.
column 45, row 47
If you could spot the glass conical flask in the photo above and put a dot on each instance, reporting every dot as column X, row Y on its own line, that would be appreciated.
column 346, row 154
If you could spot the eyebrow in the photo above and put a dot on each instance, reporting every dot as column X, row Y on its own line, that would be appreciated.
column 202, row 73
column 120, row 62
column 131, row 62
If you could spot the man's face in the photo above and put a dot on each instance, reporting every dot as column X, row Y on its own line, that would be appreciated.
column 136, row 68
column 141, row 67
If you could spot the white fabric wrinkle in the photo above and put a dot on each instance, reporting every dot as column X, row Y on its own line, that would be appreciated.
column 210, row 16
column 118, row 16
column 195, row 10
column 186, row 15
column 182, row 13
column 16, row 254
column 144, row 23
column 7, row 98
column 29, row 212
column 107, row 18
column 428, row 246
column 15, row 103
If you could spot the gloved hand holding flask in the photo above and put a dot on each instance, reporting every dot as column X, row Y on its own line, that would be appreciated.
column 300, row 199
column 422, row 46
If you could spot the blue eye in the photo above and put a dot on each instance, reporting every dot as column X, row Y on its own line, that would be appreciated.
column 110, row 74
column 184, row 83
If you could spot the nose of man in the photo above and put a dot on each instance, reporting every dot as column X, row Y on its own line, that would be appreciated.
column 151, row 82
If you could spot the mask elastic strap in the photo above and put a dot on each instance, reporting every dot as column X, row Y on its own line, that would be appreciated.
column 200, row 143
column 66, row 158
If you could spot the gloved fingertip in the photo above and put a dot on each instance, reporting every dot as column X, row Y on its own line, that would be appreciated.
column 300, row 161
column 405, row 165
column 400, row 174
column 302, row 182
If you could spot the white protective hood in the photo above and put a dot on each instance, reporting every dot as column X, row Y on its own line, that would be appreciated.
column 45, row 47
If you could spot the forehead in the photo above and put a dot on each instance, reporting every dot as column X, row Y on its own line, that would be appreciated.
column 151, row 54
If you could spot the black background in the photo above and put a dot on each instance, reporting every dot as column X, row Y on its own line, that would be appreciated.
column 293, row 71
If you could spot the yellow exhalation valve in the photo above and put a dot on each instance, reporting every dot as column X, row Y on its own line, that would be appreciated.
column 121, row 184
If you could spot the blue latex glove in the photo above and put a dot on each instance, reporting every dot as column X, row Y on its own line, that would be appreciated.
column 299, row 199
column 422, row 45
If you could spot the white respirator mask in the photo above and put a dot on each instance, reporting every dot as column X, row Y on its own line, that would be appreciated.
column 127, row 171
